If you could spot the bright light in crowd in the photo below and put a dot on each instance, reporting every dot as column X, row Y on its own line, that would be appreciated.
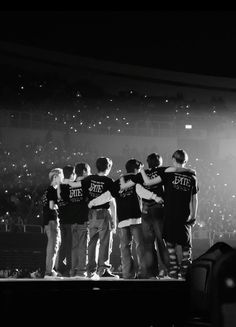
column 187, row 126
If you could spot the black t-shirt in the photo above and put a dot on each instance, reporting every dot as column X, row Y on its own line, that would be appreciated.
column 78, row 204
column 127, row 201
column 49, row 214
column 156, row 188
column 65, row 215
column 95, row 185
column 179, row 188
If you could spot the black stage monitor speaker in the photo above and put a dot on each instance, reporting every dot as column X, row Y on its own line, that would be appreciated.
column 223, row 308
column 199, row 282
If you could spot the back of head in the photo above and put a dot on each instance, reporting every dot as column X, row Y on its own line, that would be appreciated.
column 103, row 164
column 82, row 167
column 68, row 170
column 55, row 172
column 154, row 160
column 180, row 156
column 132, row 164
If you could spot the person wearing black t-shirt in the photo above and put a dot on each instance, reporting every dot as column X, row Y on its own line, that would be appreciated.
column 153, row 220
column 66, row 221
column 180, row 209
column 79, row 211
column 51, row 222
column 130, row 221
column 102, row 221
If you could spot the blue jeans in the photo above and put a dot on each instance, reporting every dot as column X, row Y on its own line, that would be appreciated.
column 127, row 236
column 99, row 230
column 79, row 249
column 53, row 234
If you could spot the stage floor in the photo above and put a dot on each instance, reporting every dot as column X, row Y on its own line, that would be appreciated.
column 138, row 302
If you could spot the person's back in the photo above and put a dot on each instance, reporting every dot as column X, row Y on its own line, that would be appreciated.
column 180, row 211
column 66, row 220
column 77, row 196
column 79, row 212
column 130, row 224
column 127, row 200
column 180, row 187
column 51, row 222
column 101, row 220
column 95, row 185
column 153, row 219
column 154, row 161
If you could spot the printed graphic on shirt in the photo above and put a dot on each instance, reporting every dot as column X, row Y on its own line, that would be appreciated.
column 181, row 182
column 126, row 192
column 127, row 200
column 96, row 188
column 76, row 194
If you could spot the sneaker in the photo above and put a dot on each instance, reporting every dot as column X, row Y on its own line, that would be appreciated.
column 181, row 276
column 36, row 274
column 173, row 275
column 153, row 278
column 53, row 275
column 80, row 276
column 93, row 276
column 167, row 277
column 162, row 273
column 14, row 273
column 108, row 274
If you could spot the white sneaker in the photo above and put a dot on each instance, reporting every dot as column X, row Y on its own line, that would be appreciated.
column 95, row 276
column 53, row 275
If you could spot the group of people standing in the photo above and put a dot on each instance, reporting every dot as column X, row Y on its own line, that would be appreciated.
column 154, row 208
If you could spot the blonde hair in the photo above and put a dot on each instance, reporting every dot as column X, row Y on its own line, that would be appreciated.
column 55, row 172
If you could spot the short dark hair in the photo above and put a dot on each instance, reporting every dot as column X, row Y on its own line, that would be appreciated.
column 103, row 164
column 132, row 164
column 154, row 160
column 68, row 171
column 80, row 168
column 180, row 156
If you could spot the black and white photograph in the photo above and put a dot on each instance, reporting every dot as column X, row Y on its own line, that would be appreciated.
column 117, row 167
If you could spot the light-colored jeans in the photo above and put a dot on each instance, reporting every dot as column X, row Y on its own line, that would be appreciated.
column 99, row 230
column 79, row 254
column 127, row 236
column 53, row 234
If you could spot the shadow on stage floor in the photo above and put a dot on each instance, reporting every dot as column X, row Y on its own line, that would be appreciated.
column 89, row 302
